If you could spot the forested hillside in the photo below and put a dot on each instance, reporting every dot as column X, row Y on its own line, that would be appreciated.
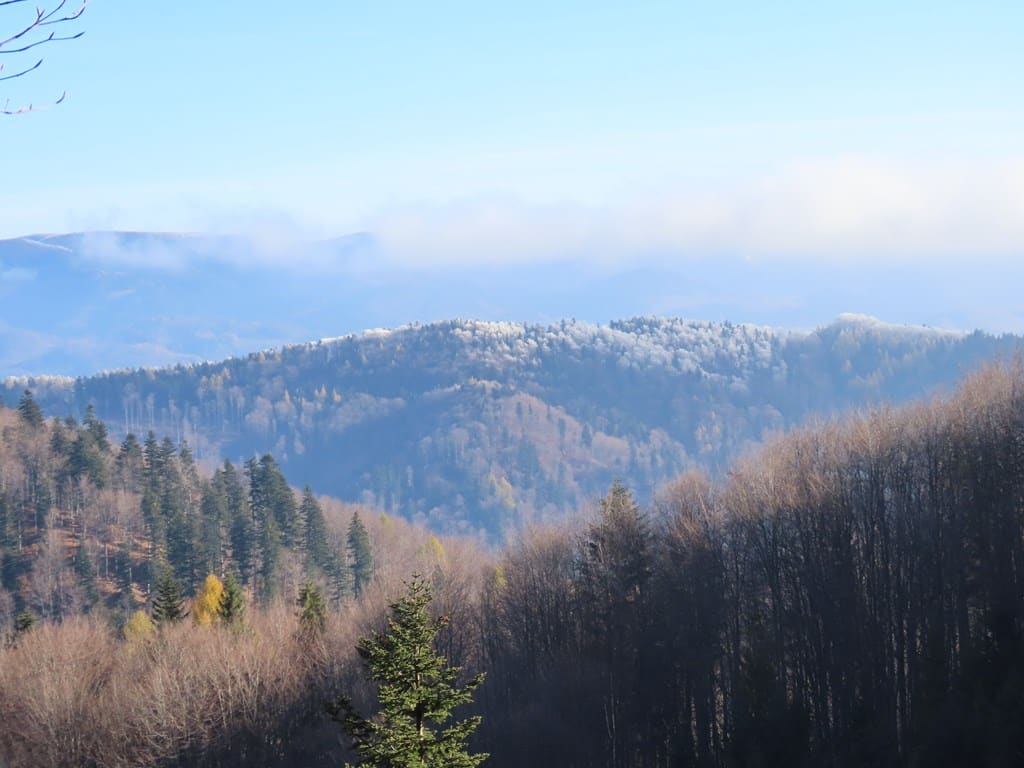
column 475, row 427
column 848, row 596
column 89, row 526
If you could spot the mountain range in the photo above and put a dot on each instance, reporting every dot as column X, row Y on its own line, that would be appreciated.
column 78, row 304
column 475, row 427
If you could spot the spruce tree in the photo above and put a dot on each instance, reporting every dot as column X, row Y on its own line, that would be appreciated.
column 232, row 602
column 417, row 691
column 318, row 551
column 29, row 411
column 360, row 554
column 168, row 603
column 270, row 565
column 312, row 611
column 85, row 569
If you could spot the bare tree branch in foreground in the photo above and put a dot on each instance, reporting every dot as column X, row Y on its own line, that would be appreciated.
column 35, row 30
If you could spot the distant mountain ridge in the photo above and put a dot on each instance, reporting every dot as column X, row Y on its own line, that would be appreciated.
column 474, row 426
column 76, row 304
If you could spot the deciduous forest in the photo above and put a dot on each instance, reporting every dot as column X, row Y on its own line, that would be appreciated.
column 850, row 595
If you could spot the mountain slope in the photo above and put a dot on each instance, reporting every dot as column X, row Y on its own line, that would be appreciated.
column 472, row 426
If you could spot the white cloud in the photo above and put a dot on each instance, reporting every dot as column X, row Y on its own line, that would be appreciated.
column 842, row 208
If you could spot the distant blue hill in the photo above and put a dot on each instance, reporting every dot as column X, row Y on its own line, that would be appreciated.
column 81, row 303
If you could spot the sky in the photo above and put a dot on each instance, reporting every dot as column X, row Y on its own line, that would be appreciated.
column 463, row 134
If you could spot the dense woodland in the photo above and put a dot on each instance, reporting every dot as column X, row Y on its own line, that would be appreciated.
column 473, row 427
column 851, row 595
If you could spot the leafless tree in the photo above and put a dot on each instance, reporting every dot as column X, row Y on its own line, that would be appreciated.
column 34, row 29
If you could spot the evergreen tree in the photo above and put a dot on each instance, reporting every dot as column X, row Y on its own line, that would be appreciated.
column 360, row 554
column 212, row 521
column 85, row 569
column 417, row 691
column 97, row 430
column 312, row 613
column 130, row 464
column 153, row 461
column 318, row 551
column 279, row 499
column 232, row 602
column 168, row 603
column 29, row 411
column 240, row 520
column 270, row 549
column 181, row 554
column 24, row 621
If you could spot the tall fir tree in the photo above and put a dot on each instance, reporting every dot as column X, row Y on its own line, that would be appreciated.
column 168, row 602
column 417, row 691
column 360, row 554
column 212, row 522
column 317, row 549
column 270, row 561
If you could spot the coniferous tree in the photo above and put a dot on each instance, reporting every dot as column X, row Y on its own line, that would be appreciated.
column 241, row 529
column 312, row 611
column 85, row 570
column 232, row 602
column 318, row 551
column 130, row 464
column 97, row 430
column 360, row 554
column 24, row 621
column 417, row 691
column 270, row 550
column 280, row 501
column 168, row 603
column 210, row 529
column 29, row 411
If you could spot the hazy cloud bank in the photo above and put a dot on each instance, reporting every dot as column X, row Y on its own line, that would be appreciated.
column 844, row 209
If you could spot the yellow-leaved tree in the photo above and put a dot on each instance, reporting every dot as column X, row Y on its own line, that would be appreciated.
column 139, row 627
column 206, row 607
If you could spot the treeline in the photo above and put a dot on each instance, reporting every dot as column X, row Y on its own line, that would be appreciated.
column 851, row 596
column 87, row 526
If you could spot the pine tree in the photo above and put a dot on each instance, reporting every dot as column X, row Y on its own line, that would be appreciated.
column 168, row 603
column 417, row 693
column 359, row 552
column 232, row 602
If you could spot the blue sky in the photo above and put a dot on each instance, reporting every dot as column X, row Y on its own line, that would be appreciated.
column 467, row 132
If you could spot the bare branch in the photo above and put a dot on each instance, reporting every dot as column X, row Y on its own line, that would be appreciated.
column 27, row 40
column 19, row 74
column 52, row 38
